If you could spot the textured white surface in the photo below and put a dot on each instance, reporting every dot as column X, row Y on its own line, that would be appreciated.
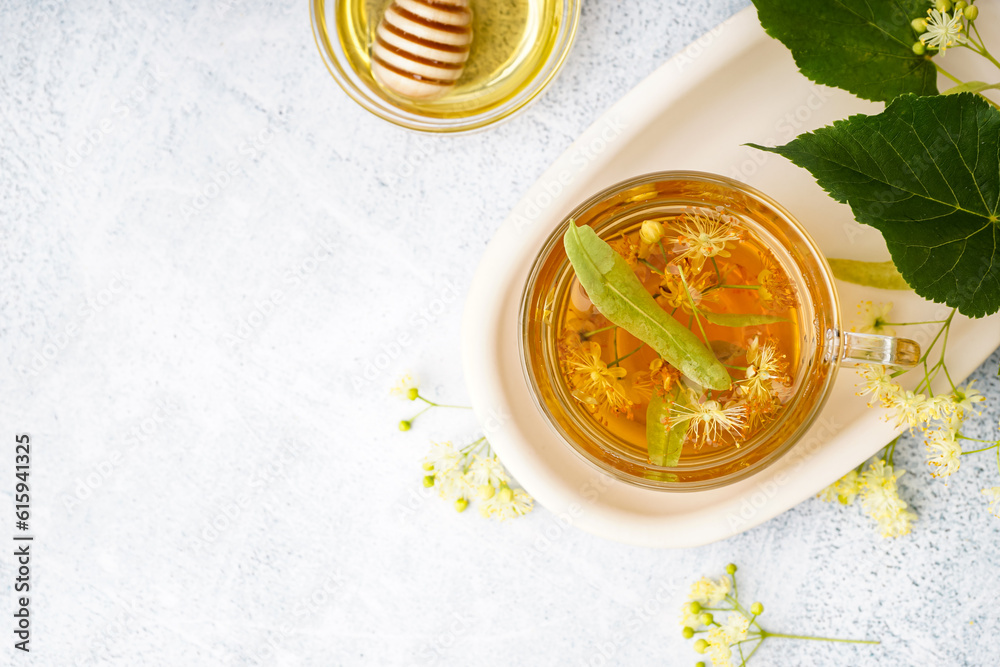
column 208, row 253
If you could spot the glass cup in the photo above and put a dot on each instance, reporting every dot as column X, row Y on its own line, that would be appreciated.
column 517, row 49
column 822, row 343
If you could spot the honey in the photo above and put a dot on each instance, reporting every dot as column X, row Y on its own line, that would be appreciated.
column 512, row 42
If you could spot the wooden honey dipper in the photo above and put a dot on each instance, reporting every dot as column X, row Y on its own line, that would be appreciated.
column 421, row 47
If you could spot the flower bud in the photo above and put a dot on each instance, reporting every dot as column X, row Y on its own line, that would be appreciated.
column 506, row 495
column 971, row 13
column 756, row 609
column 688, row 632
column 404, row 425
column 461, row 504
column 699, row 664
column 943, row 5
column 706, row 619
column 412, row 393
column 694, row 607
column 919, row 25
column 919, row 48
column 486, row 491
column 700, row 646
column 731, row 568
column 429, row 481
column 651, row 232
column 428, row 466
column 961, row 5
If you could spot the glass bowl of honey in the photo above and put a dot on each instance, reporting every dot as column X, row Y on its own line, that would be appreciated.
column 444, row 65
column 681, row 331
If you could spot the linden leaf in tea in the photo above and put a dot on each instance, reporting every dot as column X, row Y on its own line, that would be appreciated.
column 864, row 47
column 665, row 443
column 619, row 296
column 926, row 173
column 882, row 275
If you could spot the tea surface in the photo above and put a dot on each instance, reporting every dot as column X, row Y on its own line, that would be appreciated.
column 715, row 277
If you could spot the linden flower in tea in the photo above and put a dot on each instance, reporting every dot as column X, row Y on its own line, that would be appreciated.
column 679, row 333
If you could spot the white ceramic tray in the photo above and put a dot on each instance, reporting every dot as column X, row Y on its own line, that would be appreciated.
column 734, row 85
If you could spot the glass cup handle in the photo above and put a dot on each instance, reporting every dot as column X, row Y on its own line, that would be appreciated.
column 858, row 348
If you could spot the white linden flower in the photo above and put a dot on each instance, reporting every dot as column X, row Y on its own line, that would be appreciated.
column 718, row 647
column 487, row 472
column 506, row 504
column 878, row 383
column 453, row 484
column 913, row 409
column 736, row 628
column 965, row 399
column 708, row 592
column 403, row 386
column 442, row 458
column 874, row 318
column 994, row 497
column 690, row 619
column 943, row 451
column 844, row 490
column 943, row 31
column 880, row 500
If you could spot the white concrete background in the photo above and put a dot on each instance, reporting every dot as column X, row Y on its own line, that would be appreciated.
column 183, row 366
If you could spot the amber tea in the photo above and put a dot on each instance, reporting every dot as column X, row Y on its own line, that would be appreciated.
column 680, row 330
column 711, row 274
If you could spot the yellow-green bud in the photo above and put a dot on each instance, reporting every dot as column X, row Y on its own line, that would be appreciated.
column 919, row 48
column 688, row 632
column 971, row 13
column 461, row 504
column 943, row 5
column 694, row 607
column 506, row 494
column 731, row 568
column 486, row 491
column 650, row 232
column 706, row 619
column 429, row 481
column 404, row 425
column 428, row 466
column 961, row 5
column 919, row 25
column 412, row 393
column 699, row 664
column 756, row 609
column 700, row 646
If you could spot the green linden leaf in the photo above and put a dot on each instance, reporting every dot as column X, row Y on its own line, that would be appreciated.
column 864, row 47
column 926, row 173
column 665, row 445
column 882, row 275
